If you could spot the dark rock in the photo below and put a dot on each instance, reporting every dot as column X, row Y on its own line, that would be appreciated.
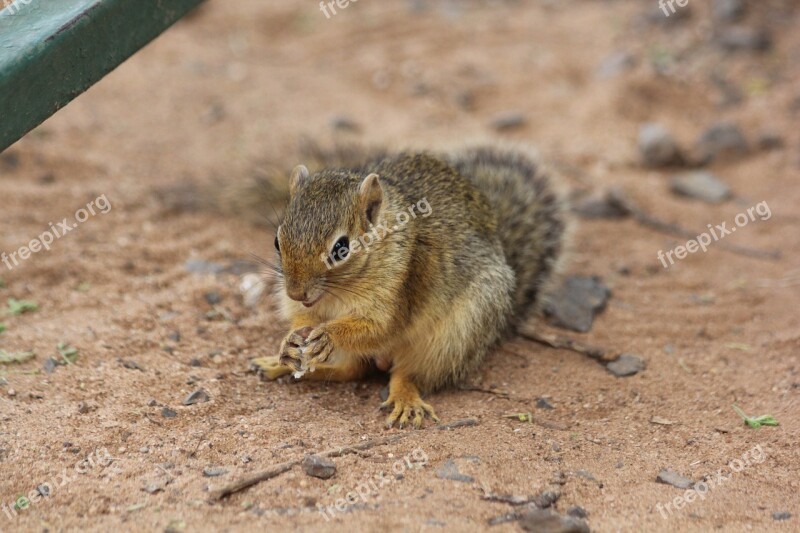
column 668, row 477
column 626, row 365
column 50, row 365
column 47, row 179
column 132, row 365
column 343, row 123
column 575, row 304
column 384, row 393
column 700, row 185
column 738, row 38
column 600, row 207
column 316, row 466
column 507, row 120
column 543, row 521
column 577, row 512
column 197, row 396
column 211, row 471
column 166, row 412
column 657, row 146
column 546, row 499
column 728, row 10
column 194, row 361
column 174, row 336
column 212, row 297
column 614, row 65
column 770, row 141
column 449, row 470
column 544, row 403
column 723, row 140
column 781, row 515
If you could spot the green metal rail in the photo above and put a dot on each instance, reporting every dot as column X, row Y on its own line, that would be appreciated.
column 53, row 50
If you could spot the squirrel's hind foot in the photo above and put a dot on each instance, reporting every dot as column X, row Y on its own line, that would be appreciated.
column 408, row 405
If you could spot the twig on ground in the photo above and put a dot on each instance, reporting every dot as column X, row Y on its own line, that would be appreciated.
column 561, row 342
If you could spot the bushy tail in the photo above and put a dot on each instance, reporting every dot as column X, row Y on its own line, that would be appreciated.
column 531, row 214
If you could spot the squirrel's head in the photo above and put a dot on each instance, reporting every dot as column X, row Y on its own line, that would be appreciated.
column 320, row 242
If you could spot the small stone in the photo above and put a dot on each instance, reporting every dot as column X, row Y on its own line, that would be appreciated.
column 781, row 515
column 614, row 65
column 212, row 298
column 11, row 392
column 196, row 397
column 574, row 305
column 245, row 459
column 344, row 123
column 626, row 365
column 770, row 141
column 152, row 488
column 738, row 38
column 383, row 394
column 723, row 140
column 544, row 403
column 198, row 266
column 545, row 521
column 600, row 207
column 132, row 365
column 174, row 336
column 210, row 471
column 577, row 512
column 668, row 477
column 144, row 449
column 194, row 361
column 657, row 146
column 319, row 467
column 728, row 10
column 50, row 365
column 152, row 402
column 44, row 490
column 166, row 412
column 700, row 185
column 546, row 499
column 507, row 120
column 449, row 470
column 83, row 408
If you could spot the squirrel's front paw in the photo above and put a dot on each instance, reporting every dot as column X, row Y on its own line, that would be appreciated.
column 291, row 352
column 317, row 347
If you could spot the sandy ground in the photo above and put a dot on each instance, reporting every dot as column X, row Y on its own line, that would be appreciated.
column 230, row 91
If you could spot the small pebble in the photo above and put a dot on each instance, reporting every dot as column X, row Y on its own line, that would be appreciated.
column 577, row 512
column 657, row 146
column 781, row 515
column 212, row 298
column 700, row 185
column 508, row 120
column 196, row 397
column 214, row 471
column 668, row 477
column 626, row 365
column 166, row 412
column 319, row 467
column 449, row 470
column 574, row 305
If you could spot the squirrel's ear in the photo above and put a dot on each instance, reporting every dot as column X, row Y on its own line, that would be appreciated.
column 371, row 194
column 299, row 177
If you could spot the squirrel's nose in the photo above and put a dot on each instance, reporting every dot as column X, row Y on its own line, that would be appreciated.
column 297, row 294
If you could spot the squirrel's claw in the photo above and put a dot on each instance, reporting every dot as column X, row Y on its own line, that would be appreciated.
column 405, row 410
column 270, row 367
column 318, row 346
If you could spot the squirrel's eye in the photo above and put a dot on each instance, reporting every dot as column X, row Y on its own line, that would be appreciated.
column 277, row 246
column 341, row 249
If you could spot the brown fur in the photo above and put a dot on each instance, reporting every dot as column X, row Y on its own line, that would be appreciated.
column 431, row 299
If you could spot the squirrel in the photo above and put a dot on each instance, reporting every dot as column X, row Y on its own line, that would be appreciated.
column 420, row 263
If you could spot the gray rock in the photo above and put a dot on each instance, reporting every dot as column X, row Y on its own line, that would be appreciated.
column 507, row 120
column 577, row 512
column 668, row 477
column 214, row 471
column 745, row 38
column 728, row 10
column 166, row 412
column 344, row 123
column 600, row 207
column 574, row 305
column 320, row 467
column 626, row 365
column 544, row 403
column 50, row 365
column 723, row 140
column 196, row 397
column 449, row 470
column 614, row 65
column 770, row 141
column 212, row 297
column 546, row 499
column 543, row 521
column 781, row 515
column 657, row 146
column 198, row 266
column 701, row 186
